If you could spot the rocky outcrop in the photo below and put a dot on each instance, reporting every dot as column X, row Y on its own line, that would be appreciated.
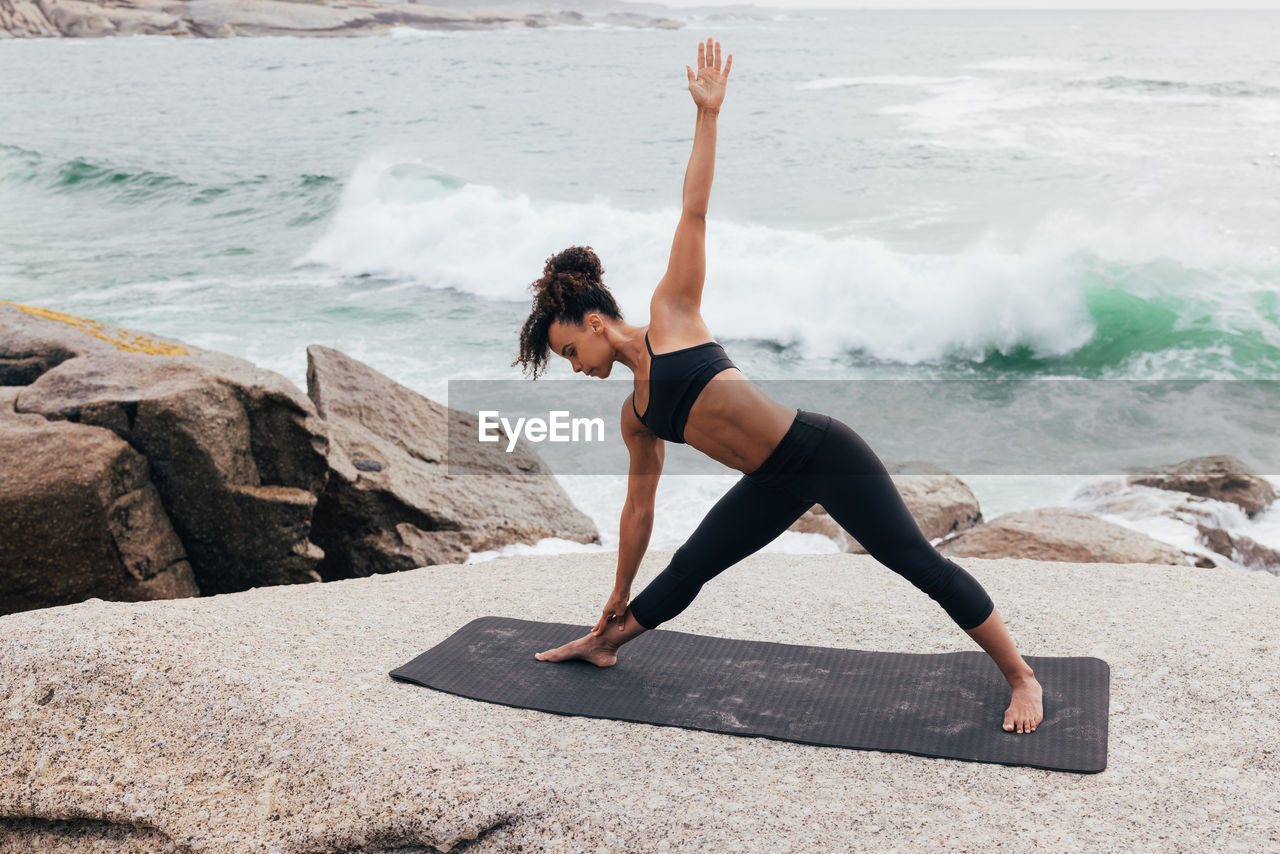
column 236, row 453
column 940, row 502
column 1063, row 534
column 24, row 19
column 1241, row 549
column 238, row 464
column 79, row 517
column 391, row 503
column 223, row 18
column 1220, row 478
column 1192, row 492
column 1213, row 520
column 265, row 721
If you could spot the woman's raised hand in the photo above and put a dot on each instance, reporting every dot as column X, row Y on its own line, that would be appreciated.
column 708, row 85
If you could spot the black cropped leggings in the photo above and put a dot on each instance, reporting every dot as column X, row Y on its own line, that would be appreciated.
column 820, row 460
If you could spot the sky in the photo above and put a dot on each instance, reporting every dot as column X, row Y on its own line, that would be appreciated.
column 1272, row 5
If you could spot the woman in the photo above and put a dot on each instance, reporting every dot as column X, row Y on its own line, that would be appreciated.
column 687, row 390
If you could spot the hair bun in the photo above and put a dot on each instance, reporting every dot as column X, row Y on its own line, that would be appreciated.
column 576, row 260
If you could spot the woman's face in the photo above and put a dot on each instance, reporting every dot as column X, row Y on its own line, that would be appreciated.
column 583, row 345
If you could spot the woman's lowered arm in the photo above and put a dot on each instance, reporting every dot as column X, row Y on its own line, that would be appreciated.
column 636, row 525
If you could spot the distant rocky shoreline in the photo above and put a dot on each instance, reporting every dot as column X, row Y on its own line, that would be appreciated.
column 228, row 18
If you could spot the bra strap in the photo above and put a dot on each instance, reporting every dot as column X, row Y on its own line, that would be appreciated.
column 650, row 346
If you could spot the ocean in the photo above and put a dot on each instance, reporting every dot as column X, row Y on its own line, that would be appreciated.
column 898, row 195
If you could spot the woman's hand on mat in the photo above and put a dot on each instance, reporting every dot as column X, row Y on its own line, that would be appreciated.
column 613, row 611
column 708, row 85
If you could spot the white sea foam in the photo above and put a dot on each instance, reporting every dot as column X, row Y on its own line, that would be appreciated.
column 1162, row 514
column 980, row 114
column 1025, row 63
column 1073, row 120
column 545, row 546
column 883, row 80
column 406, row 220
column 406, row 32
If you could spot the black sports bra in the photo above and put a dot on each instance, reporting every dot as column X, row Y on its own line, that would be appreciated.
column 675, row 381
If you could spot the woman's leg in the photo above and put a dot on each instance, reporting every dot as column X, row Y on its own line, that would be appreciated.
column 746, row 519
column 847, row 478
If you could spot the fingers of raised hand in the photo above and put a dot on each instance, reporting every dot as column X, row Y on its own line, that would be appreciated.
column 709, row 57
column 709, row 54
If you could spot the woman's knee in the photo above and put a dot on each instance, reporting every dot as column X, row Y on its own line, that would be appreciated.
column 948, row 582
column 927, row 568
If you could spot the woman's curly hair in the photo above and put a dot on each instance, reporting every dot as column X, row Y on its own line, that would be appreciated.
column 571, row 286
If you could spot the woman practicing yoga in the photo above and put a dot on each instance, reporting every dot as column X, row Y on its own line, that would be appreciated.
column 687, row 390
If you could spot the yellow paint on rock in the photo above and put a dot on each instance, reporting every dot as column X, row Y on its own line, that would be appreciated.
column 126, row 341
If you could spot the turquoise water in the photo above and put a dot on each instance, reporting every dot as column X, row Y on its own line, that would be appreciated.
column 897, row 194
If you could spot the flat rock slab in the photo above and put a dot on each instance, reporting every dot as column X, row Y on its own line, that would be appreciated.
column 946, row 704
column 265, row 721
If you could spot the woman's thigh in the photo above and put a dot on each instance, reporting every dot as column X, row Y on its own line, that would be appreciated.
column 745, row 519
column 851, row 483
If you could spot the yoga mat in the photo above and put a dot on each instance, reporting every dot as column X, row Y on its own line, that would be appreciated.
column 948, row 705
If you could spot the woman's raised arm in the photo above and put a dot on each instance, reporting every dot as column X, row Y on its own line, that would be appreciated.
column 707, row 88
column 681, row 286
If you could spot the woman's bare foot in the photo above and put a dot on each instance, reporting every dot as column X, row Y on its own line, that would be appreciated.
column 1026, row 709
column 591, row 648
column 602, row 649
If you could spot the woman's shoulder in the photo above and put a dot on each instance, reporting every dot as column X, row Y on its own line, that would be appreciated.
column 675, row 330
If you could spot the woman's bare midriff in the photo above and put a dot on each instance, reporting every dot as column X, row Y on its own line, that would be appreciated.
column 735, row 423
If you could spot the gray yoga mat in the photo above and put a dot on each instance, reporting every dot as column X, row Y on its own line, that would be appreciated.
column 947, row 704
